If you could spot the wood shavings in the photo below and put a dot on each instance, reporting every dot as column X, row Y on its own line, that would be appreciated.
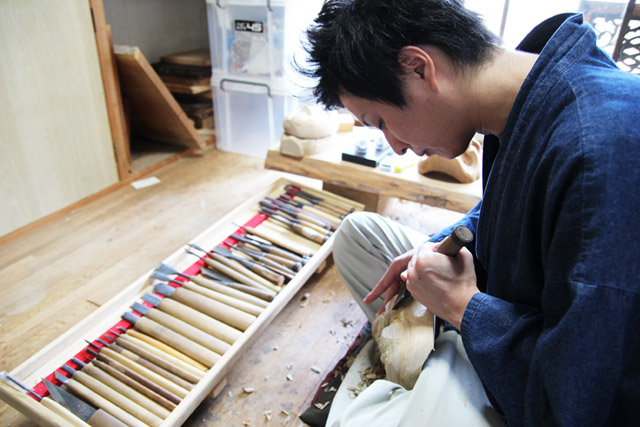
column 246, row 423
column 248, row 390
column 289, row 366
column 290, row 378
column 305, row 297
column 284, row 412
column 316, row 369
column 367, row 377
column 346, row 323
column 268, row 414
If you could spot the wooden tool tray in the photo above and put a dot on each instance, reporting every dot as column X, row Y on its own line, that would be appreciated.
column 72, row 343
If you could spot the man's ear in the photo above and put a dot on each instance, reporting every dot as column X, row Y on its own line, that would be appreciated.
column 416, row 61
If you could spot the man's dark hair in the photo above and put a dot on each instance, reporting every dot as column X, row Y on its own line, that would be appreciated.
column 353, row 45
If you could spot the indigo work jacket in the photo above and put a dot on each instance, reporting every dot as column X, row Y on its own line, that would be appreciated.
column 555, row 336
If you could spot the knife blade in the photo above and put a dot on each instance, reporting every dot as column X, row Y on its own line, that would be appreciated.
column 87, row 413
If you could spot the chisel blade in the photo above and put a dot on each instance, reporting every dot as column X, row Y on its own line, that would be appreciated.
column 78, row 407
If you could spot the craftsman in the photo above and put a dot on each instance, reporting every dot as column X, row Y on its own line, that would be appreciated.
column 547, row 301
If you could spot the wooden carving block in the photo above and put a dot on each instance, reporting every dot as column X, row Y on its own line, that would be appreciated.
column 464, row 168
column 405, row 338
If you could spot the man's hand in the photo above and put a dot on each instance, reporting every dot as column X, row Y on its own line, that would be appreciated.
column 442, row 283
column 390, row 283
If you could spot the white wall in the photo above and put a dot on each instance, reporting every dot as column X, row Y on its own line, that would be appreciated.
column 55, row 141
column 158, row 27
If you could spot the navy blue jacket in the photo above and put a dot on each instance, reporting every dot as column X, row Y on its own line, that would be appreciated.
column 555, row 336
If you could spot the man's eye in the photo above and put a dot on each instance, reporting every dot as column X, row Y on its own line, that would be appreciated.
column 381, row 125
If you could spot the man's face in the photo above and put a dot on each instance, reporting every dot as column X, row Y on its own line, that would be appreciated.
column 427, row 124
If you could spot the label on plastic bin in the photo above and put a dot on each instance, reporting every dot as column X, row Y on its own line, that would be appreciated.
column 249, row 26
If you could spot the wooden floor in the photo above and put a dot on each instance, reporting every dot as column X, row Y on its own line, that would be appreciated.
column 64, row 268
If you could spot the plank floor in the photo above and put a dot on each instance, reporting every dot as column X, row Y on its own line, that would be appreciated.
column 63, row 268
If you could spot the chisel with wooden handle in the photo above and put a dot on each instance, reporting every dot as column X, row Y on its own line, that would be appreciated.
column 130, row 336
column 323, row 196
column 295, row 217
column 298, row 228
column 146, row 363
column 280, row 240
column 119, row 393
column 126, row 386
column 237, row 272
column 94, row 398
column 194, row 317
column 310, row 209
column 244, row 267
column 130, row 371
column 273, row 277
column 261, row 292
column 248, row 303
column 174, row 339
column 273, row 250
column 94, row 417
column 183, row 328
column 267, row 262
column 229, row 315
column 301, row 214
column 164, row 348
column 216, row 286
column 61, row 411
column 161, row 361
column 136, row 385
column 146, row 373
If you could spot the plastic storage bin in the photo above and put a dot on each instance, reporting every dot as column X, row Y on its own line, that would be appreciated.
column 248, row 118
column 253, row 44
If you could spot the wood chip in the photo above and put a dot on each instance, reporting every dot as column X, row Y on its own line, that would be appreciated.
column 316, row 369
column 268, row 414
column 248, row 390
column 290, row 378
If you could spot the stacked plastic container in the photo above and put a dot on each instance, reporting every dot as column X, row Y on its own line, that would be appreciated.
column 253, row 44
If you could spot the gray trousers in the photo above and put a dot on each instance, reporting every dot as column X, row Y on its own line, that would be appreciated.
column 448, row 391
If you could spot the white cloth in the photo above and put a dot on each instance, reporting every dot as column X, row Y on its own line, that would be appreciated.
column 448, row 391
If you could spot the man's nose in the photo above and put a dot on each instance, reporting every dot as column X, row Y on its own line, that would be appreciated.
column 397, row 146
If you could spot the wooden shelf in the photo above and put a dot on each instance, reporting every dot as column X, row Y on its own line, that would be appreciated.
column 373, row 183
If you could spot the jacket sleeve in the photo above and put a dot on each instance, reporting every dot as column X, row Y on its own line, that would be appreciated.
column 579, row 371
column 470, row 220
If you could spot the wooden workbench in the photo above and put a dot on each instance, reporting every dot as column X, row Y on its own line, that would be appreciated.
column 372, row 185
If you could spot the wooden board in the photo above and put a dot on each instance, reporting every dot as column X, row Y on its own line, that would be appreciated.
column 59, row 351
column 109, row 71
column 154, row 111
column 195, row 57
